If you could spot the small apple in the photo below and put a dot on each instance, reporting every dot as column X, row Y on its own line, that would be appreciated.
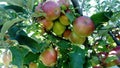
column 74, row 38
column 64, row 20
column 83, row 26
column 6, row 58
column 52, row 10
column 38, row 7
column 58, row 28
column 66, row 34
column 46, row 24
column 33, row 65
column 64, row 2
column 49, row 57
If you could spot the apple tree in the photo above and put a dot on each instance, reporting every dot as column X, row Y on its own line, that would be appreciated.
column 59, row 33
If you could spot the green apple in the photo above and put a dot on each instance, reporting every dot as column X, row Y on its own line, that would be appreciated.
column 58, row 28
column 64, row 20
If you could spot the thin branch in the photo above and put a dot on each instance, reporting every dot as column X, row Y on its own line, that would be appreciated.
column 78, row 6
column 114, row 38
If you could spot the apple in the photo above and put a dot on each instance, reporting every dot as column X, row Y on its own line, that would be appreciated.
column 66, row 34
column 52, row 10
column 58, row 28
column 6, row 58
column 38, row 7
column 47, row 24
column 74, row 38
column 64, row 20
column 33, row 65
column 49, row 57
column 83, row 26
column 64, row 2
column 115, row 51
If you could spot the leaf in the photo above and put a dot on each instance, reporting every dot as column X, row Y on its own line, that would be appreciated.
column 7, row 25
column 30, row 57
column 70, row 16
column 14, row 31
column 77, row 57
column 15, row 8
column 18, row 53
column 30, row 4
column 101, row 17
column 20, row 3
column 32, row 44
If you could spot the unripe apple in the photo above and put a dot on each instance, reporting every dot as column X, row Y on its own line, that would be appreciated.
column 74, row 38
column 6, row 58
column 49, row 57
column 66, row 34
column 83, row 26
column 52, row 10
column 58, row 28
column 33, row 65
column 47, row 24
column 64, row 20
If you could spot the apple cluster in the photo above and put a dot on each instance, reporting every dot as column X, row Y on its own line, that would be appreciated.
column 58, row 23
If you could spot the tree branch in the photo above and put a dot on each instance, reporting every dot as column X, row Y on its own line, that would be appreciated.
column 78, row 6
column 114, row 38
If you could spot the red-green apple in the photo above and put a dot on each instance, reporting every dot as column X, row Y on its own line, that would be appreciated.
column 52, row 10
column 33, row 65
column 74, row 38
column 47, row 24
column 83, row 26
column 49, row 57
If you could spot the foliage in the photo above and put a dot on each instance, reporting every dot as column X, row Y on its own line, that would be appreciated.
column 21, row 32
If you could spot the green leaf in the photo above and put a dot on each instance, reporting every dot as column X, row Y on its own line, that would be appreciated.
column 15, row 8
column 30, row 57
column 14, row 31
column 70, row 16
column 18, row 53
column 30, row 4
column 20, row 3
column 101, row 17
column 7, row 25
column 31, row 43
column 77, row 57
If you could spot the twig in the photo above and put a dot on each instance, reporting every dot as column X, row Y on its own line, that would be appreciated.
column 114, row 38
column 77, row 5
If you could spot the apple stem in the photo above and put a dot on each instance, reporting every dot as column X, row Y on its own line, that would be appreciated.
column 77, row 5
column 114, row 38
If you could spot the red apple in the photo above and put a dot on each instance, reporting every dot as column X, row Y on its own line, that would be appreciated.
column 52, row 10
column 46, row 24
column 49, row 57
column 33, row 65
column 66, row 34
column 83, row 26
column 58, row 28
column 76, row 39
